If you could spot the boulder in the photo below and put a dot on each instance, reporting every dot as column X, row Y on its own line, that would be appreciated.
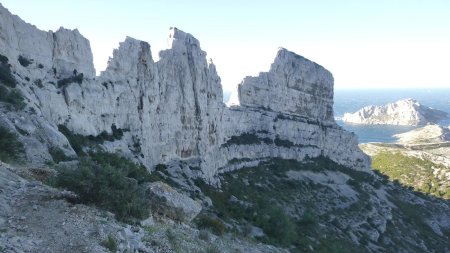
column 166, row 201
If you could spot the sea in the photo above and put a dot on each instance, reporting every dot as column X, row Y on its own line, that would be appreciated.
column 351, row 100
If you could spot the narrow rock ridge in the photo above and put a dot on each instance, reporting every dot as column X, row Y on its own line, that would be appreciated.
column 172, row 110
column 63, row 50
column 406, row 112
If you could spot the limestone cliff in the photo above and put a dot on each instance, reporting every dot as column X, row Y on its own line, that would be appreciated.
column 403, row 112
column 170, row 110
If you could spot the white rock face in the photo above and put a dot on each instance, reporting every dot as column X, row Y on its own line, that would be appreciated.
column 172, row 110
column 64, row 50
column 294, row 85
column 406, row 112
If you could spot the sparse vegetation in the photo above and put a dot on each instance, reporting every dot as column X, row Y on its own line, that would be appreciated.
column 413, row 172
column 283, row 143
column 172, row 237
column 76, row 78
column 11, row 148
column 38, row 83
column 110, row 182
column 262, row 195
column 214, row 224
column 24, row 61
column 110, row 243
column 58, row 155
column 12, row 96
column 6, row 76
column 78, row 141
column 243, row 139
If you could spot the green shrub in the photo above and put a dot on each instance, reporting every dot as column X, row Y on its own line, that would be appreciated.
column 38, row 83
column 110, row 243
column 3, row 59
column 276, row 224
column 212, row 249
column 283, row 143
column 214, row 224
column 78, row 141
column 109, row 181
column 10, row 147
column 24, row 61
column 243, row 139
column 411, row 172
column 6, row 76
column 13, row 97
column 204, row 235
column 77, row 78
column 58, row 155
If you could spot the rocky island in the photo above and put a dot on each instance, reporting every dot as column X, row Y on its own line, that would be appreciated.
column 407, row 112
column 146, row 157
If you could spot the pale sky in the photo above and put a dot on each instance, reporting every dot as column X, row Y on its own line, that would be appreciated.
column 365, row 44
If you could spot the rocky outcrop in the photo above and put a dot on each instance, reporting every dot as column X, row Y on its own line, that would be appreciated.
column 172, row 109
column 168, row 202
column 406, row 112
column 294, row 85
column 63, row 50
column 426, row 134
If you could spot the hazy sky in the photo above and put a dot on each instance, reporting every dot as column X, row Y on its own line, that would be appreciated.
column 365, row 44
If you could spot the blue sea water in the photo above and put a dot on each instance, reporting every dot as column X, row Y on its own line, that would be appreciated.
column 353, row 100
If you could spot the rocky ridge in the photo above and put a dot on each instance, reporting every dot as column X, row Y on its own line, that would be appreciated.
column 403, row 112
column 170, row 110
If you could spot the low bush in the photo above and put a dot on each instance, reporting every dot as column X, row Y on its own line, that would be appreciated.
column 3, row 59
column 58, row 155
column 214, row 224
column 78, row 78
column 6, row 76
column 10, row 147
column 283, row 143
column 110, row 243
column 276, row 224
column 212, row 249
column 243, row 139
column 78, row 141
column 24, row 61
column 12, row 97
column 110, row 182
